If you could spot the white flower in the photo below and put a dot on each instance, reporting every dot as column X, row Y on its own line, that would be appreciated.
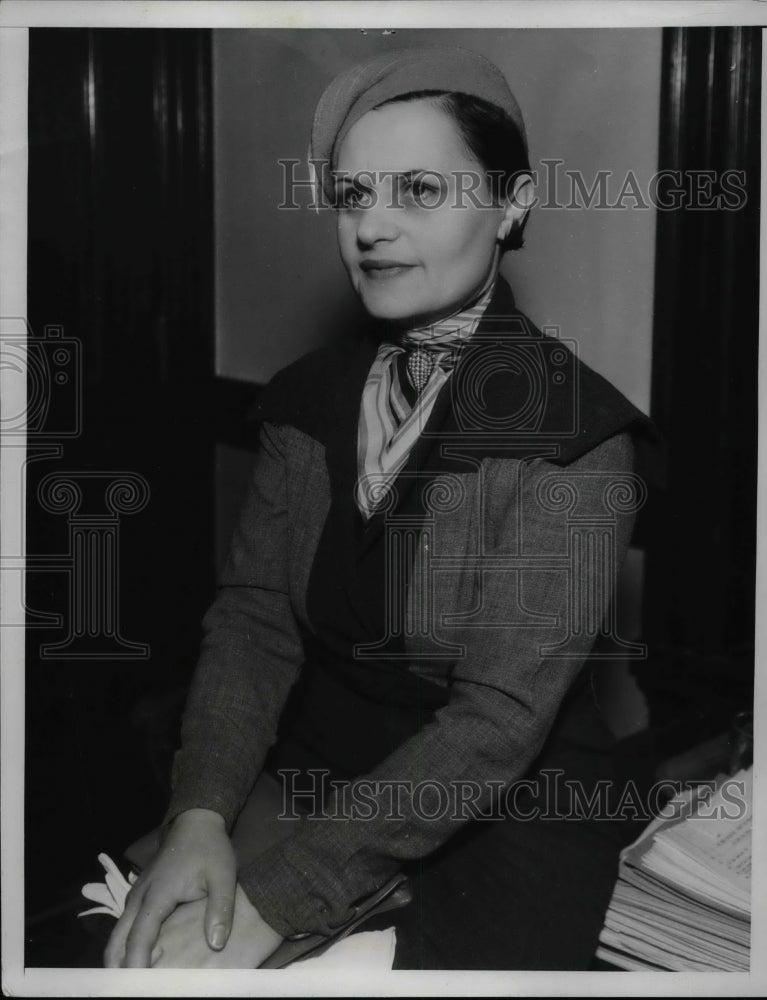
column 111, row 893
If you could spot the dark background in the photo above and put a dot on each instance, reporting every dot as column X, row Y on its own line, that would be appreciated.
column 120, row 258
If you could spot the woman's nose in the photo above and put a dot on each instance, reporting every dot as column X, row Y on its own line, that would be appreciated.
column 378, row 221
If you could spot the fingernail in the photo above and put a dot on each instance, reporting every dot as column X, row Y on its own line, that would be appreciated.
column 218, row 937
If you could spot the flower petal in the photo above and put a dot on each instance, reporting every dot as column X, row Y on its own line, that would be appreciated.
column 116, row 883
column 98, row 909
column 99, row 893
column 119, row 888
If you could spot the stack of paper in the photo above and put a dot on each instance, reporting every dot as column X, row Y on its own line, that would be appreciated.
column 682, row 901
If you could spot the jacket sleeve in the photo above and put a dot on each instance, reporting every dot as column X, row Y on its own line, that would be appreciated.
column 504, row 698
column 250, row 656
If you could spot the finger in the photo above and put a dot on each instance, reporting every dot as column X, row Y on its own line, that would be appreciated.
column 146, row 929
column 115, row 949
column 219, row 909
column 157, row 954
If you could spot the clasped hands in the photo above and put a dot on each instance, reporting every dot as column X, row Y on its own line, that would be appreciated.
column 186, row 910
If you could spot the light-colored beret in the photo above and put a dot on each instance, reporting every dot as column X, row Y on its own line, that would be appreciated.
column 364, row 86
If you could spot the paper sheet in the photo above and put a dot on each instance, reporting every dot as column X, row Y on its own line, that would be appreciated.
column 682, row 900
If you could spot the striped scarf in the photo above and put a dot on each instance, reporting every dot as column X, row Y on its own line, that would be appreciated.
column 389, row 426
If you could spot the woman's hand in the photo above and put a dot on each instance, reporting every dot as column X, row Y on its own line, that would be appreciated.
column 182, row 944
column 195, row 863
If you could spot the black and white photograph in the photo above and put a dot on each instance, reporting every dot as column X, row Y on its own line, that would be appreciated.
column 379, row 442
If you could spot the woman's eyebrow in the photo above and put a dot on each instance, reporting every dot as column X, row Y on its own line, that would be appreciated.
column 417, row 172
column 365, row 176
column 355, row 180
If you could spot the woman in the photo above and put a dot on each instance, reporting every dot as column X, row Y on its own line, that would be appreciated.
column 396, row 610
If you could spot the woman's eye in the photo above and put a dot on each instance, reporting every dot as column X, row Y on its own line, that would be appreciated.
column 351, row 198
column 424, row 193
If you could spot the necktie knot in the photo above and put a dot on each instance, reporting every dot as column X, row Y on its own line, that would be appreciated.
column 395, row 408
column 428, row 348
column 420, row 364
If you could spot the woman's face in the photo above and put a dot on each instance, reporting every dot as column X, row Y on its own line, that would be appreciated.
column 414, row 246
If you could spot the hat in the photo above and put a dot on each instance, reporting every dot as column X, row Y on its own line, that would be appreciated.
column 372, row 82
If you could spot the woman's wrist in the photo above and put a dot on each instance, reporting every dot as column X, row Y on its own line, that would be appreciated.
column 199, row 817
column 269, row 938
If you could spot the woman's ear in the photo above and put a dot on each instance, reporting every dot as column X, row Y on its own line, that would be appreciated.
column 517, row 205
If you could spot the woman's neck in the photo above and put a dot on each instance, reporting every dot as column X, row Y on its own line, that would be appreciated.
column 454, row 317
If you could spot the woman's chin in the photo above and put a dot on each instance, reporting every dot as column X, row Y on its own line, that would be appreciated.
column 390, row 310
column 393, row 307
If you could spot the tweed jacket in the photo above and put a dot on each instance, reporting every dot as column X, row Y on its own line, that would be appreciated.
column 525, row 518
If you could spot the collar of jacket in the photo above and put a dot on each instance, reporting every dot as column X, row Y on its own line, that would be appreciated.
column 515, row 391
column 522, row 392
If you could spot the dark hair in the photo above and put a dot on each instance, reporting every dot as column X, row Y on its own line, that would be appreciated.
column 491, row 137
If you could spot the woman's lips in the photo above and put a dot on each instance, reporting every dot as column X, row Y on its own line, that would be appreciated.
column 382, row 270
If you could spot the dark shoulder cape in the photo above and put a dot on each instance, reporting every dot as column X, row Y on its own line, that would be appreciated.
column 515, row 390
